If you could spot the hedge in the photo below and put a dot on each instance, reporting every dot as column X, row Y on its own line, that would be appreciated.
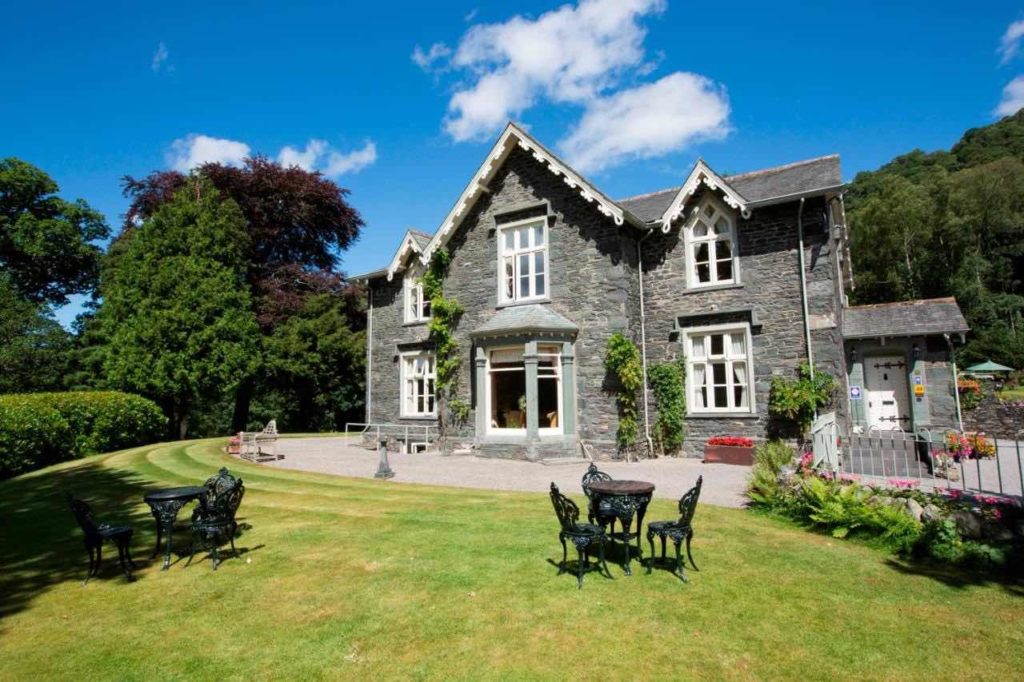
column 39, row 429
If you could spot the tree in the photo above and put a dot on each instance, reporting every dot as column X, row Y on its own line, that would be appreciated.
column 34, row 348
column 46, row 243
column 297, row 221
column 176, row 308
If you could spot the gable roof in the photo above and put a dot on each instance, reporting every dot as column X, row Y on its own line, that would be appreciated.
column 511, row 137
column 756, row 188
column 904, row 318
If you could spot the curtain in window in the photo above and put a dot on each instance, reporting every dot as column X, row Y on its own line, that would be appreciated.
column 699, row 385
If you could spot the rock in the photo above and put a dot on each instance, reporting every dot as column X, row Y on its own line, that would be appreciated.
column 995, row 530
column 931, row 513
column 967, row 524
column 914, row 508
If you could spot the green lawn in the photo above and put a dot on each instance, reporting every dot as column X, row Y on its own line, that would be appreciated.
column 1011, row 394
column 346, row 578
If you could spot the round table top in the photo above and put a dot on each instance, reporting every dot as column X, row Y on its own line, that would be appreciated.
column 182, row 493
column 618, row 487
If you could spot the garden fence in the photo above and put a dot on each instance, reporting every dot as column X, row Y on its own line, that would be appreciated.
column 934, row 460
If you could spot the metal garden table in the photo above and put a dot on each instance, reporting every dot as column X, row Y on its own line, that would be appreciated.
column 624, row 499
column 165, row 505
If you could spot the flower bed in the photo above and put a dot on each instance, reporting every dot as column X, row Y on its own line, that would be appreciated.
column 729, row 450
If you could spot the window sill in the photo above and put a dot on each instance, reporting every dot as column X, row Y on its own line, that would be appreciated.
column 418, row 323
column 532, row 301
column 419, row 417
column 723, row 415
column 691, row 289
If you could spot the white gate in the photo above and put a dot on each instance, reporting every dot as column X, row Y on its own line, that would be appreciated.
column 824, row 441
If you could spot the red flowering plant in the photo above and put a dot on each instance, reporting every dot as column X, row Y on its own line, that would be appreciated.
column 994, row 507
column 732, row 441
column 903, row 483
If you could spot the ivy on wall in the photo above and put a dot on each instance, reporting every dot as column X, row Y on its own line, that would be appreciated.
column 444, row 317
column 668, row 383
column 622, row 359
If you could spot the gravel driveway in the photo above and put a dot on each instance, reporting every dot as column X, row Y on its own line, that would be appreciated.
column 723, row 483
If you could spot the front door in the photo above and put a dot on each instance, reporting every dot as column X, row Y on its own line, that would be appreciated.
column 888, row 393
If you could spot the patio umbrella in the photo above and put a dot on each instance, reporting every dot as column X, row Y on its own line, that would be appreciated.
column 988, row 366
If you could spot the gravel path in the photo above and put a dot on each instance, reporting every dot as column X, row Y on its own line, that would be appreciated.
column 723, row 483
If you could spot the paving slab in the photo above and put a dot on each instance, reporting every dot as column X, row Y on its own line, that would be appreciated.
column 672, row 476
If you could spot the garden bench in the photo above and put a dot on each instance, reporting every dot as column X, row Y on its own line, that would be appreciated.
column 253, row 442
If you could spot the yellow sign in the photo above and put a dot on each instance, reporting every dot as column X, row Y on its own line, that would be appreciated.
column 919, row 390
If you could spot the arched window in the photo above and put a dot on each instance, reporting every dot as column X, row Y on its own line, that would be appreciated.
column 711, row 256
column 417, row 307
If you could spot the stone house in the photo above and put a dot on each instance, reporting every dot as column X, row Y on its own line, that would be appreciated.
column 744, row 276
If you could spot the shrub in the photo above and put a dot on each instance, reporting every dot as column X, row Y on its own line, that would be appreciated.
column 622, row 360
column 794, row 401
column 763, row 488
column 971, row 393
column 38, row 429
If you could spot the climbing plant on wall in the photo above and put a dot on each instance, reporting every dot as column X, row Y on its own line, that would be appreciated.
column 668, row 383
column 444, row 316
column 793, row 402
column 622, row 359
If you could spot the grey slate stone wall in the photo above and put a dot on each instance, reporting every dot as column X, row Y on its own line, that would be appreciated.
column 770, row 285
column 591, row 280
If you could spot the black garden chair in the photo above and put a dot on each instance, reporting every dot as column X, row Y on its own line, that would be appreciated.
column 582, row 536
column 603, row 515
column 214, row 518
column 98, row 533
column 678, row 530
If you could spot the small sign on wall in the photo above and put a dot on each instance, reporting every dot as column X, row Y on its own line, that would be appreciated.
column 918, row 390
column 855, row 393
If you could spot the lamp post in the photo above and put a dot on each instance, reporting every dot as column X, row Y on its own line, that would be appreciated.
column 383, row 468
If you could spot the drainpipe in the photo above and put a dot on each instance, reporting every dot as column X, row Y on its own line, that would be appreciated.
column 803, row 285
column 956, row 383
column 643, row 338
column 369, row 351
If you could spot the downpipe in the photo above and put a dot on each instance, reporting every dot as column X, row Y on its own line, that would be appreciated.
column 643, row 340
column 803, row 284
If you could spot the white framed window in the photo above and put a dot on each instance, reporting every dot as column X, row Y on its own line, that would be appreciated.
column 417, row 307
column 523, row 261
column 549, row 389
column 506, row 390
column 418, row 389
column 720, row 369
column 711, row 255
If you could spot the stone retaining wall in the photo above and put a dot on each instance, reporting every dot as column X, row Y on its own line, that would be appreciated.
column 1002, row 419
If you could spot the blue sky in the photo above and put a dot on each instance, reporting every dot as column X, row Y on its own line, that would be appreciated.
column 399, row 101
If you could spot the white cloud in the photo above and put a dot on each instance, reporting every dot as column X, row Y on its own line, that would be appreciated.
column 589, row 56
column 647, row 121
column 352, row 162
column 426, row 60
column 305, row 159
column 195, row 150
column 1013, row 98
column 1009, row 44
column 318, row 155
column 160, row 57
column 568, row 55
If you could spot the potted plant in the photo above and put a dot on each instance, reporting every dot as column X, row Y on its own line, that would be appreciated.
column 729, row 450
column 235, row 444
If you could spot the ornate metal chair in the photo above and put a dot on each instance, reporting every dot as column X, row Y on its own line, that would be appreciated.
column 677, row 529
column 214, row 518
column 603, row 516
column 98, row 533
column 582, row 536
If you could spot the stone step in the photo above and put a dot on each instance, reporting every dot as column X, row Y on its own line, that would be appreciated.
column 564, row 461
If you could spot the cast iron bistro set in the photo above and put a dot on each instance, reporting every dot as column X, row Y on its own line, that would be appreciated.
column 213, row 522
column 612, row 500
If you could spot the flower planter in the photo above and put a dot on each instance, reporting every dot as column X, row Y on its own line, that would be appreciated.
column 729, row 454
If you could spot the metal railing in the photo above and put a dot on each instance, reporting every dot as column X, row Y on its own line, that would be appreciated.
column 922, row 459
column 409, row 434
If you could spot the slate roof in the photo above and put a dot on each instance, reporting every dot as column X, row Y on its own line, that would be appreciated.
column 905, row 318
column 755, row 187
column 421, row 238
column 521, row 319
